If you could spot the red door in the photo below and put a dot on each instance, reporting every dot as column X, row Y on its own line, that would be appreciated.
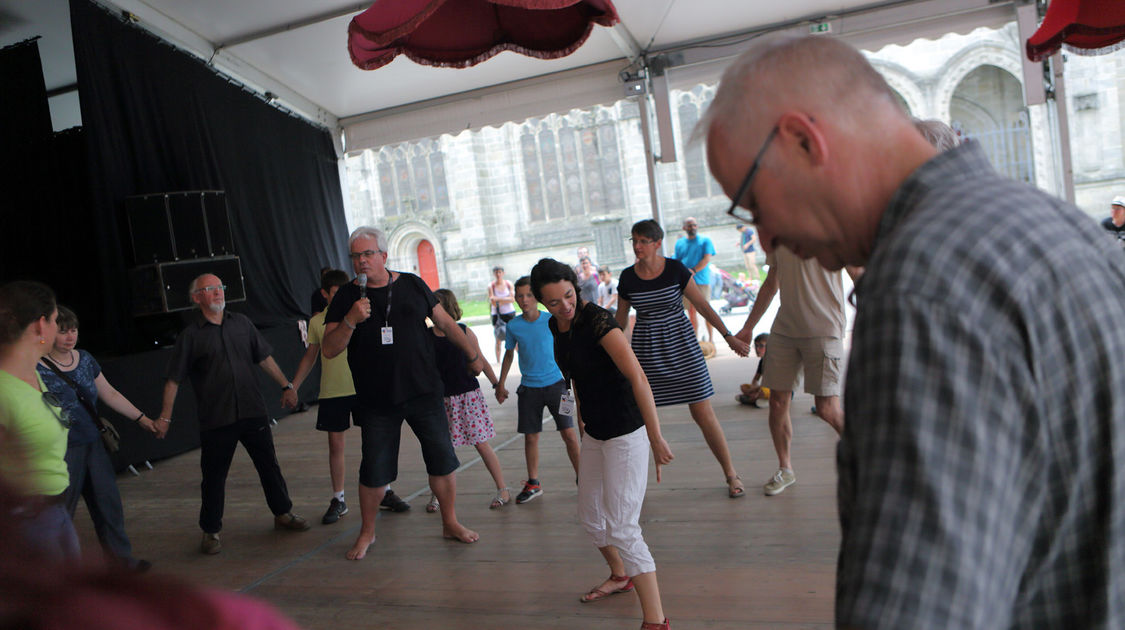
column 427, row 265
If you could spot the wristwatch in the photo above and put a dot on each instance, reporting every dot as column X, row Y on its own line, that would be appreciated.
column 287, row 386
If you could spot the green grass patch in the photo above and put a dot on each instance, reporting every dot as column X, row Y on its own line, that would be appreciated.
column 474, row 308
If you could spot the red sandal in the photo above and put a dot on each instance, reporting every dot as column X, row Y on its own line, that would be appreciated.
column 594, row 594
column 646, row 625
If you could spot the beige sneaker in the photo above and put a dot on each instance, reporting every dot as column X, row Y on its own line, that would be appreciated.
column 211, row 544
column 781, row 480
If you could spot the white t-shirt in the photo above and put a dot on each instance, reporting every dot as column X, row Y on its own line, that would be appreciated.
column 605, row 291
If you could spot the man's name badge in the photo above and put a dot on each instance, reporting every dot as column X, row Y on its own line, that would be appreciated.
column 566, row 404
column 388, row 335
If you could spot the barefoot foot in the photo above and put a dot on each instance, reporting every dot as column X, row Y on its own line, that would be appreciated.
column 460, row 532
column 359, row 549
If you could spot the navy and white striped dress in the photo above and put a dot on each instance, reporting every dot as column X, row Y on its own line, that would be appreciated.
column 663, row 339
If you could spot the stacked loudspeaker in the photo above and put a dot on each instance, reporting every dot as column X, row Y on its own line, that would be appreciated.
column 176, row 237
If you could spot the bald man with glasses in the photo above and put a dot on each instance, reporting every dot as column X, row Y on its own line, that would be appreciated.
column 979, row 485
column 218, row 351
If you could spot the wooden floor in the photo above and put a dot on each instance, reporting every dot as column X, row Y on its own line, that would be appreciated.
column 755, row 562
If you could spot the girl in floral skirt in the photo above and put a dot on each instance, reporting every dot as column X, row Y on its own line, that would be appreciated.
column 469, row 421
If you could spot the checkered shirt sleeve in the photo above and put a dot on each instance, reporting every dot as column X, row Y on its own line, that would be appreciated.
column 980, row 481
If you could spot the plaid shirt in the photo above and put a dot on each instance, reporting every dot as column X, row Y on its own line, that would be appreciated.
column 982, row 467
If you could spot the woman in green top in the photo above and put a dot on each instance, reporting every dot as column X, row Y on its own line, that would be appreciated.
column 33, row 426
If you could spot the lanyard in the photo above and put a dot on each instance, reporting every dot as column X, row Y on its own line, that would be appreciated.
column 390, row 291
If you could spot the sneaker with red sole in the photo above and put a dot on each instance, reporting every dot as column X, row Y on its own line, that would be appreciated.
column 529, row 492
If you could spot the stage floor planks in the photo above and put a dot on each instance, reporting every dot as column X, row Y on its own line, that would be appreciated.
column 754, row 562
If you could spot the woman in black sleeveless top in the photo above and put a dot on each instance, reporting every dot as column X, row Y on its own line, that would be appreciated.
column 618, row 417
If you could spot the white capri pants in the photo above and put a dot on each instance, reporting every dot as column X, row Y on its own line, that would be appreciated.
column 612, row 478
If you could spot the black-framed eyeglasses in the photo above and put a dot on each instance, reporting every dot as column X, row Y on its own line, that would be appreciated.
column 641, row 241
column 738, row 212
column 55, row 405
column 367, row 253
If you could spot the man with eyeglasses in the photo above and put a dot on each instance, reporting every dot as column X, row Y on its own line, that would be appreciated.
column 380, row 319
column 980, row 486
column 218, row 352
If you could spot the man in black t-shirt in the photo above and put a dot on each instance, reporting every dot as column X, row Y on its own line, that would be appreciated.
column 382, row 324
column 1115, row 223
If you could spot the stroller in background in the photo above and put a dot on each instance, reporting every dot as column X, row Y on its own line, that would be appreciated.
column 735, row 293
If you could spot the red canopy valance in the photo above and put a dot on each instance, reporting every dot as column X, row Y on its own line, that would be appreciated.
column 463, row 33
column 1085, row 26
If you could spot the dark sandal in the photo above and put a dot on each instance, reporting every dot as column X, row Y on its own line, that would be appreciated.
column 596, row 593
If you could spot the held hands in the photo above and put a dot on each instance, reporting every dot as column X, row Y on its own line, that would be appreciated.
column 661, row 454
column 150, row 426
column 289, row 398
column 162, row 425
column 501, row 394
column 740, row 347
column 744, row 336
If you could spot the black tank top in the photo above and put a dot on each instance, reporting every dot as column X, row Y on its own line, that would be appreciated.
column 454, row 367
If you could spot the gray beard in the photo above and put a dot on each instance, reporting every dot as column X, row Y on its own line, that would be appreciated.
column 217, row 308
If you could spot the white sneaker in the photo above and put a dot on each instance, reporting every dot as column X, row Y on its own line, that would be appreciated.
column 781, row 480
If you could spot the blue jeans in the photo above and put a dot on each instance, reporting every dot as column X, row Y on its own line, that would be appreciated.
column 92, row 476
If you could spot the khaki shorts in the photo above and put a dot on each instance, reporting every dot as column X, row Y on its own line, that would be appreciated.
column 821, row 358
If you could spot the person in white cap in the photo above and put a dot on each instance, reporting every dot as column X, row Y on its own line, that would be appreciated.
column 1115, row 222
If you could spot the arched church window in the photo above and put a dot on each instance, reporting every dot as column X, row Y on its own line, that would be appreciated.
column 700, row 184
column 572, row 165
column 412, row 178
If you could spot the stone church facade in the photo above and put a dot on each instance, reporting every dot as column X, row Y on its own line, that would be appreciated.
column 455, row 206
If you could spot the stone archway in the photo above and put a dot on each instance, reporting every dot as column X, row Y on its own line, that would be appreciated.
column 964, row 63
column 1007, row 60
column 402, row 245
column 988, row 106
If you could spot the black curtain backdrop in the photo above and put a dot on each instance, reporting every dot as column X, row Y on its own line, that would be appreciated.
column 24, row 114
column 43, row 219
column 158, row 120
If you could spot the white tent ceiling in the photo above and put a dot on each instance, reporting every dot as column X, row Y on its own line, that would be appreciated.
column 297, row 50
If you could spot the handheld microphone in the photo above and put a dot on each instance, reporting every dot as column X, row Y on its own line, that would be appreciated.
column 362, row 281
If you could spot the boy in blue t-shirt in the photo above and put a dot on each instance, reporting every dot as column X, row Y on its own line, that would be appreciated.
column 542, row 385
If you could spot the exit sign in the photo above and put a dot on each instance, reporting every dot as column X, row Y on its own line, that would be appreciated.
column 819, row 28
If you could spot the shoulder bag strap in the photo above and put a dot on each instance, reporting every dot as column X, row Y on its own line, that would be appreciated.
column 69, row 381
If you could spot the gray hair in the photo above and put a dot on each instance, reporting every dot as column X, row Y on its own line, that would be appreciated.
column 195, row 283
column 937, row 133
column 367, row 231
column 785, row 71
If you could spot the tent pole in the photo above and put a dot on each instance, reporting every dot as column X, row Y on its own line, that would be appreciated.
column 1062, row 118
column 650, row 159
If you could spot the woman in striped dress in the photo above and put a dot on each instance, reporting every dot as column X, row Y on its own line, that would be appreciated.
column 665, row 343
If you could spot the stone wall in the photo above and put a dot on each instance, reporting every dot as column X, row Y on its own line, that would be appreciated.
column 969, row 80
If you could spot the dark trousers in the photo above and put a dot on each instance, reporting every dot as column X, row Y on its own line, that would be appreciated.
column 92, row 477
column 216, row 451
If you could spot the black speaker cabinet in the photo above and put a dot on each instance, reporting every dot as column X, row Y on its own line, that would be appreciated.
column 217, row 217
column 163, row 287
column 150, row 229
column 166, row 227
column 189, row 225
